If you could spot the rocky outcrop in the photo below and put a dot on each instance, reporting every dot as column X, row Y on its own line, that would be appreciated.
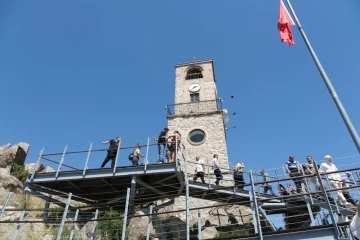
column 10, row 183
column 167, row 225
column 10, row 154
column 138, row 226
column 39, row 169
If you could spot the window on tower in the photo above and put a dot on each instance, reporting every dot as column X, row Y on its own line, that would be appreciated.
column 194, row 97
column 196, row 137
column 194, row 73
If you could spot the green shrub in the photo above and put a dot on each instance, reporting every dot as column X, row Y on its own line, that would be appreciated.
column 19, row 172
column 234, row 233
column 110, row 229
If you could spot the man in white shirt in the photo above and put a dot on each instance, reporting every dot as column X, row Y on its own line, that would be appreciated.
column 334, row 178
column 199, row 170
column 355, row 224
column 216, row 168
column 238, row 175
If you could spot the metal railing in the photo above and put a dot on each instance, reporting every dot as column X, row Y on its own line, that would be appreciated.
column 194, row 108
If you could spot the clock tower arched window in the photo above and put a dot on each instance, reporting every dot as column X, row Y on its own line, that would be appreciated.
column 193, row 73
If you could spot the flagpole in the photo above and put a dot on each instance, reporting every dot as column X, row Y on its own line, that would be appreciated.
column 340, row 107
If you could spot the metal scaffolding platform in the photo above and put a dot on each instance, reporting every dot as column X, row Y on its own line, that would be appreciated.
column 104, row 185
column 143, row 185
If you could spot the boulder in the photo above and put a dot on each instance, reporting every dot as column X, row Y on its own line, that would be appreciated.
column 30, row 167
column 209, row 233
column 138, row 226
column 10, row 183
column 21, row 152
column 215, row 218
column 85, row 231
column 48, row 169
column 39, row 169
column 10, row 154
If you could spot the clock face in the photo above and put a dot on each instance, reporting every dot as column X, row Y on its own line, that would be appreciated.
column 195, row 87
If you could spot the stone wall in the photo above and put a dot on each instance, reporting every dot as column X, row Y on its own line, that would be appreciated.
column 207, row 83
column 215, row 142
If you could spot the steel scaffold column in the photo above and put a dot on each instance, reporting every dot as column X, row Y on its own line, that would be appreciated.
column 308, row 205
column 132, row 194
column 125, row 214
column 61, row 162
column 46, row 209
column 95, row 223
column 147, row 154
column 187, row 201
column 208, row 172
column 256, row 210
column 37, row 164
column 73, row 226
column 263, row 213
column 117, row 156
column 149, row 223
column 87, row 160
column 64, row 216
column 5, row 203
column 19, row 225
column 199, row 218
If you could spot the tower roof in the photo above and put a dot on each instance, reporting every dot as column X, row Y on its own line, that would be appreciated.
column 194, row 62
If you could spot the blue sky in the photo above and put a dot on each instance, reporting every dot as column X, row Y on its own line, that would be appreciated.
column 76, row 72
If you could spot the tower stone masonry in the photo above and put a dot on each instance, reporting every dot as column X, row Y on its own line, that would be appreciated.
column 198, row 116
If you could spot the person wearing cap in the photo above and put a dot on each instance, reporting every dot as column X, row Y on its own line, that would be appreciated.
column 335, row 179
column 162, row 144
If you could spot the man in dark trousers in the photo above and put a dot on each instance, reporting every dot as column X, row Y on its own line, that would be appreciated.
column 112, row 151
column 162, row 144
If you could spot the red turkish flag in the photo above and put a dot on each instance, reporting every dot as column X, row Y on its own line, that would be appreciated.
column 284, row 25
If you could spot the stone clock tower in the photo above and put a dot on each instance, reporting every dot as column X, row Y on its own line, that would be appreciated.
column 198, row 116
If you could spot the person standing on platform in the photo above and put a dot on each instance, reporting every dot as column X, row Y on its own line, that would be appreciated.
column 293, row 168
column 137, row 155
column 267, row 186
column 345, row 184
column 199, row 170
column 162, row 145
column 309, row 166
column 216, row 168
column 111, row 152
column 239, row 175
column 334, row 178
